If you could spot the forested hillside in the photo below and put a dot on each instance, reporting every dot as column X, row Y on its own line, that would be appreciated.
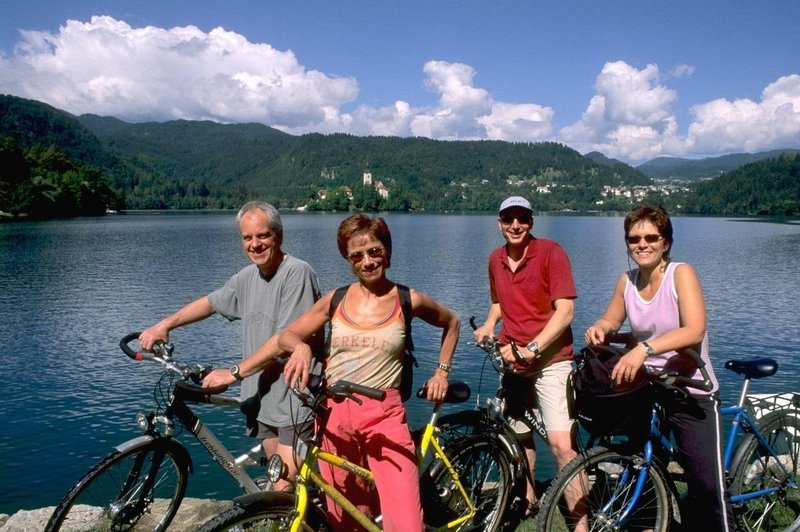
column 770, row 187
column 50, row 165
column 205, row 164
column 54, row 164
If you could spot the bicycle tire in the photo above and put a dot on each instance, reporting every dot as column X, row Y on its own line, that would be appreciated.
column 140, row 487
column 487, row 475
column 273, row 511
column 753, row 468
column 606, row 490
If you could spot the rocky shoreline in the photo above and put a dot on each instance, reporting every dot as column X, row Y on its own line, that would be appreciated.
column 192, row 514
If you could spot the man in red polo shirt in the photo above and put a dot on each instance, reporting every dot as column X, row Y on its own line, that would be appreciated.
column 533, row 293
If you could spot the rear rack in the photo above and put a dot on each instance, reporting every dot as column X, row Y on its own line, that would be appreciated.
column 763, row 403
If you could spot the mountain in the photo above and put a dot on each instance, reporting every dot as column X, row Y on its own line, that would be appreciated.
column 193, row 164
column 692, row 169
column 50, row 165
column 767, row 187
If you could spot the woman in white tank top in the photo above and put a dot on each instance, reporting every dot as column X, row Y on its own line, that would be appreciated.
column 663, row 303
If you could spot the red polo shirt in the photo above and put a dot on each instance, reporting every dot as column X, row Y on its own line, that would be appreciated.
column 526, row 296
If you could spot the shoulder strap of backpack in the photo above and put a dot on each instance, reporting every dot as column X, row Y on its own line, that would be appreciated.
column 338, row 295
column 404, row 293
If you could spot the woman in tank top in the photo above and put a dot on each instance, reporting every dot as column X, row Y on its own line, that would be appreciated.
column 663, row 302
column 366, row 347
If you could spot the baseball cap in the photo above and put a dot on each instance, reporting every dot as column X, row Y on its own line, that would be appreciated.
column 515, row 201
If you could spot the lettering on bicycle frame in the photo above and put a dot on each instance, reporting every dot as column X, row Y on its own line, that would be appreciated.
column 230, row 467
column 354, row 469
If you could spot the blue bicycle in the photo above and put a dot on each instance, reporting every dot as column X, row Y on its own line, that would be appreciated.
column 627, row 487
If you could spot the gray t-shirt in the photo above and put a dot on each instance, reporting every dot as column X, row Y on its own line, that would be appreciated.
column 266, row 307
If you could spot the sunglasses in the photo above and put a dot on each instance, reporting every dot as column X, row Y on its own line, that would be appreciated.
column 650, row 239
column 508, row 219
column 358, row 256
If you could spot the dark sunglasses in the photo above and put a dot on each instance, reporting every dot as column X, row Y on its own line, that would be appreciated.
column 508, row 219
column 650, row 239
column 358, row 256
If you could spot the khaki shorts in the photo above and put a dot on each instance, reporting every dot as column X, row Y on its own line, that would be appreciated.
column 545, row 392
column 286, row 435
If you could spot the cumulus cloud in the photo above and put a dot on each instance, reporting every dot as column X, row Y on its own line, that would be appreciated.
column 106, row 67
column 746, row 125
column 630, row 117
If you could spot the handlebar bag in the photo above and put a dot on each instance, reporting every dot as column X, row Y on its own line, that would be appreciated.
column 602, row 407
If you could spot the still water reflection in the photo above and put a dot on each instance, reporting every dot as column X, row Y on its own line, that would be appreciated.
column 69, row 290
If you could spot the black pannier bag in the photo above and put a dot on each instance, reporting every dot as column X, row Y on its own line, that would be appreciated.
column 603, row 408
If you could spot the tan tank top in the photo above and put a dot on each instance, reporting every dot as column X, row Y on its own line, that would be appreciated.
column 370, row 355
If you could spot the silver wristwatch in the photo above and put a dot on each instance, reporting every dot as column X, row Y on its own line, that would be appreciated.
column 533, row 347
column 235, row 372
column 649, row 350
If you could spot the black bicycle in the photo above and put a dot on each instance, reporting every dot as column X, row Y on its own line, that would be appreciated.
column 141, row 484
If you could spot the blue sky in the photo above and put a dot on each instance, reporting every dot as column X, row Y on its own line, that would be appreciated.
column 632, row 79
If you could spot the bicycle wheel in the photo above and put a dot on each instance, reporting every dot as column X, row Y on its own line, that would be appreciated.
column 139, row 488
column 755, row 468
column 485, row 472
column 601, row 483
column 265, row 511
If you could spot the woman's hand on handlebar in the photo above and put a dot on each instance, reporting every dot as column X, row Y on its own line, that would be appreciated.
column 437, row 387
column 595, row 335
column 298, row 367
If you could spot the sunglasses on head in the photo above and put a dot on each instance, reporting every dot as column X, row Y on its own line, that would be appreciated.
column 650, row 239
column 358, row 256
column 523, row 219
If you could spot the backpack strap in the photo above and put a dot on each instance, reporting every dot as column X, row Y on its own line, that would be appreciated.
column 404, row 293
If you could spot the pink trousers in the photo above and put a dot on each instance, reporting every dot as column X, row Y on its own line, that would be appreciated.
column 374, row 435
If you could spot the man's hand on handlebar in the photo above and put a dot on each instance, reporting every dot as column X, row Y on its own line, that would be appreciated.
column 218, row 378
column 151, row 335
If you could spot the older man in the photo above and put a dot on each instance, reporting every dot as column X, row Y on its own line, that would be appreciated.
column 266, row 296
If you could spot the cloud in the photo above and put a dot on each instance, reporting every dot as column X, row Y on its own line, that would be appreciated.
column 629, row 117
column 106, row 67
column 745, row 125
column 682, row 71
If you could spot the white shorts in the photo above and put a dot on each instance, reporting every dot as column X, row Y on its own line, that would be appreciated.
column 545, row 392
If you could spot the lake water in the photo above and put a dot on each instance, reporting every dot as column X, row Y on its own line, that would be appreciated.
column 69, row 290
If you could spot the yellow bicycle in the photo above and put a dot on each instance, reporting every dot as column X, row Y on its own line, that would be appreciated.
column 464, row 487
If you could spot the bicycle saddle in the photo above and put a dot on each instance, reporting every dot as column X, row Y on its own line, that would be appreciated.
column 753, row 368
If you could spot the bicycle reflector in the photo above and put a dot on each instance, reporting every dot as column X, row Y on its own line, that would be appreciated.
column 275, row 468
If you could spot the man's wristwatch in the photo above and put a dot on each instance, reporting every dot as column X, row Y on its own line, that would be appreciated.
column 533, row 347
column 649, row 350
column 235, row 372
column 444, row 367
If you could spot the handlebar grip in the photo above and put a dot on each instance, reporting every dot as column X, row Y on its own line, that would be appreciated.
column 123, row 344
column 625, row 338
column 366, row 391
column 705, row 385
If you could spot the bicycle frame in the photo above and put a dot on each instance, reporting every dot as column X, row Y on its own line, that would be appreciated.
column 742, row 420
column 313, row 454
column 178, row 408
